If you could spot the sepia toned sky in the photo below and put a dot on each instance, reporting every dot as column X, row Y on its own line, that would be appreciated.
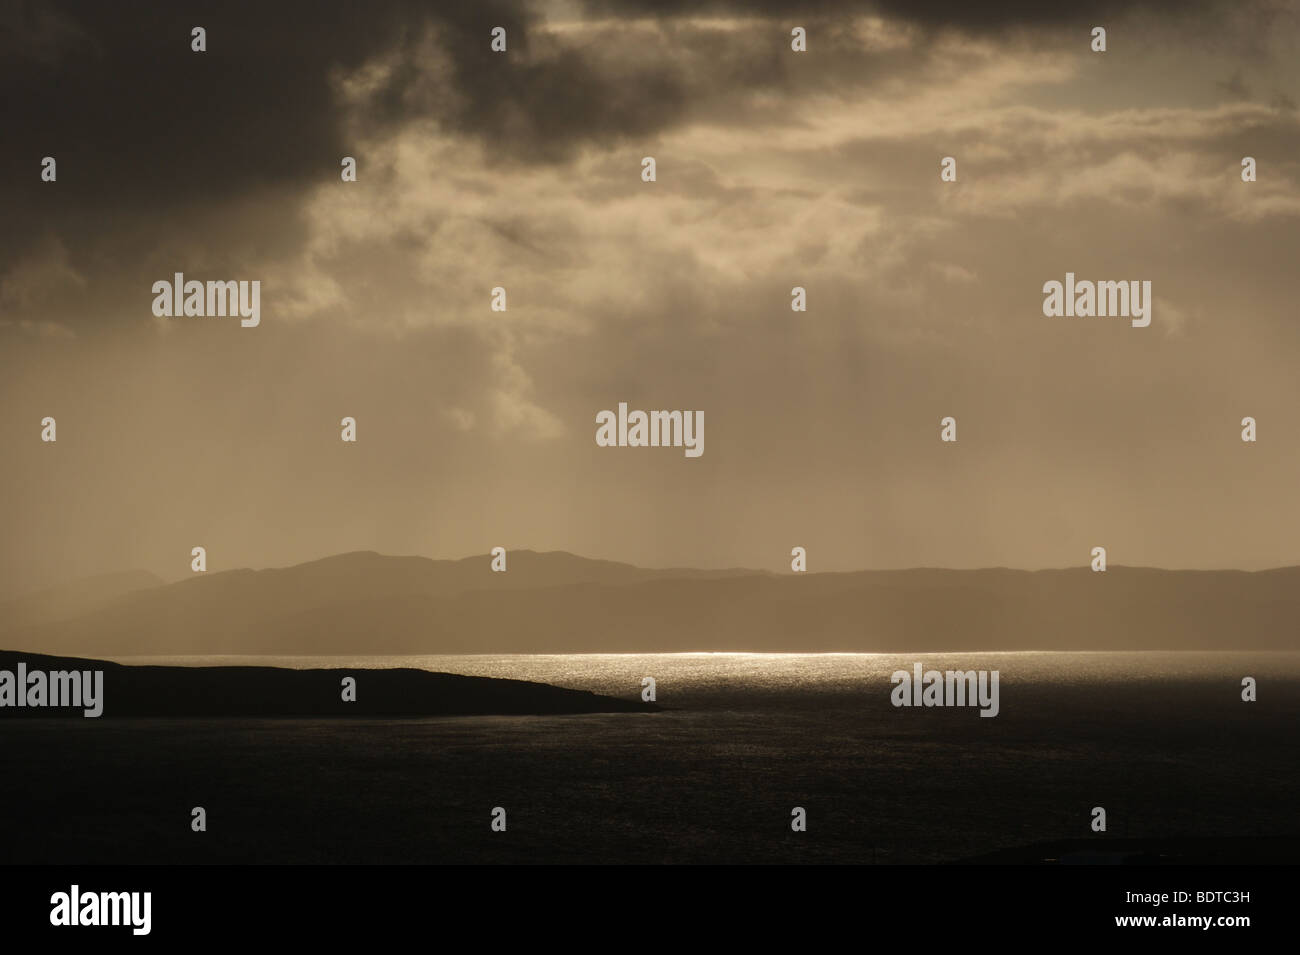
column 775, row 169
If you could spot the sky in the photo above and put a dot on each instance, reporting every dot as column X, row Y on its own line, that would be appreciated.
column 522, row 170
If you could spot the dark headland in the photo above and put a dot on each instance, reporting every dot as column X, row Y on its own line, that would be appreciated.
column 237, row 691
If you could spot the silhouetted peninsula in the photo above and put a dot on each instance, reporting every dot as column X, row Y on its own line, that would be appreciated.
column 172, row 691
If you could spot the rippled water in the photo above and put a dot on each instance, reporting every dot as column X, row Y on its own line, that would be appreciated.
column 1161, row 740
column 596, row 670
column 795, row 680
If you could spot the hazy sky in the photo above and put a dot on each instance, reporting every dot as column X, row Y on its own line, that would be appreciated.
column 775, row 169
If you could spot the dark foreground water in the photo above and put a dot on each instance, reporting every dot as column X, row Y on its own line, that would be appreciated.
column 1161, row 740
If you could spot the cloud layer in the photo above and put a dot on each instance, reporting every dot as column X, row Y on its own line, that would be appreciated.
column 775, row 169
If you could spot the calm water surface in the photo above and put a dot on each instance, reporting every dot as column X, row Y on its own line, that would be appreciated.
column 1162, row 740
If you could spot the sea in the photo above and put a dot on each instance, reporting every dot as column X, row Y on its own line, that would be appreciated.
column 1161, row 741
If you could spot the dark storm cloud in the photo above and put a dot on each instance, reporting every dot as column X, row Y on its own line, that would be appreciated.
column 155, row 142
column 538, row 103
column 149, row 136
column 135, row 117
column 170, row 159
column 137, row 120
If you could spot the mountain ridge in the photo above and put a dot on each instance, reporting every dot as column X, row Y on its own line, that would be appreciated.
column 557, row 602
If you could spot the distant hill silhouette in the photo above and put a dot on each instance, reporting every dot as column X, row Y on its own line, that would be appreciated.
column 558, row 602
column 72, row 599
column 183, row 691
